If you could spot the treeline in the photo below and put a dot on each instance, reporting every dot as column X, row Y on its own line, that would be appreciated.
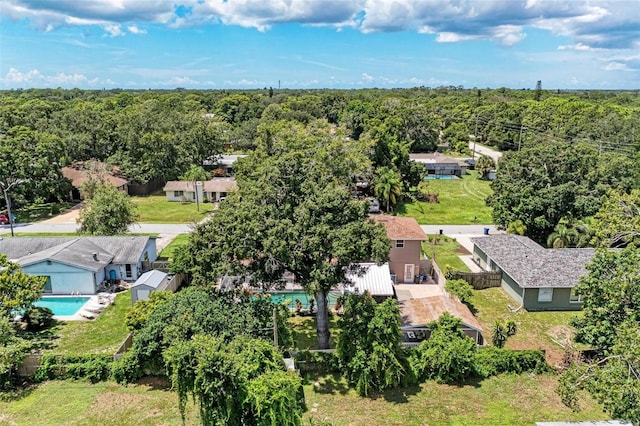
column 159, row 134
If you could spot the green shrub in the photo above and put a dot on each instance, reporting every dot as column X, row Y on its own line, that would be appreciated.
column 38, row 318
column 320, row 362
column 127, row 369
column 491, row 361
column 94, row 368
column 461, row 289
column 447, row 356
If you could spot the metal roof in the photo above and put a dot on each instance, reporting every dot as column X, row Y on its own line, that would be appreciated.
column 532, row 265
column 376, row 279
column 153, row 279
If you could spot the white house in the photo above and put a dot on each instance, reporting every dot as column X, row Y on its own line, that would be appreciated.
column 80, row 264
column 207, row 191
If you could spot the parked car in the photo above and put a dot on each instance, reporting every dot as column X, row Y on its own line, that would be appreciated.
column 4, row 220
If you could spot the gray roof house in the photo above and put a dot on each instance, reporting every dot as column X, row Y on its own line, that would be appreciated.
column 80, row 264
column 147, row 283
column 537, row 278
column 437, row 164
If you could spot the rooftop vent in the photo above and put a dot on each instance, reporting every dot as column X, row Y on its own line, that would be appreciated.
column 95, row 256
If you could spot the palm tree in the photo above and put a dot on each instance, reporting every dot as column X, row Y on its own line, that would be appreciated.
column 388, row 187
column 564, row 235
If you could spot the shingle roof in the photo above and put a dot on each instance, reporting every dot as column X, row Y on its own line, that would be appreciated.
column 435, row 158
column 81, row 172
column 123, row 249
column 151, row 279
column 220, row 185
column 401, row 228
column 376, row 279
column 77, row 252
column 179, row 185
column 532, row 265
column 420, row 312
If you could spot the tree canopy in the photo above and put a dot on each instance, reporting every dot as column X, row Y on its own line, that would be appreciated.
column 107, row 212
column 18, row 291
column 293, row 213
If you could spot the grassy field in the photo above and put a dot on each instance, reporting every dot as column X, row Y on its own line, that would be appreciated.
column 105, row 334
column 177, row 242
column 304, row 331
column 462, row 202
column 503, row 400
column 156, row 209
column 446, row 251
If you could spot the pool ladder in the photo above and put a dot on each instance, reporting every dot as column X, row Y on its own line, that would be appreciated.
column 75, row 293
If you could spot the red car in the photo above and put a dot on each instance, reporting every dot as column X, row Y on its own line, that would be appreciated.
column 4, row 220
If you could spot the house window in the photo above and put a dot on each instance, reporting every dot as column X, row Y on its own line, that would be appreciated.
column 393, row 277
column 575, row 297
column 127, row 269
column 178, row 193
column 47, row 285
column 545, row 294
column 399, row 243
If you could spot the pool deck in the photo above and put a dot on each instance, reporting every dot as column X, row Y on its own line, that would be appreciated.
column 93, row 302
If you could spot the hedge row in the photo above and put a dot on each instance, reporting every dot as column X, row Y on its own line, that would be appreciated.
column 94, row 368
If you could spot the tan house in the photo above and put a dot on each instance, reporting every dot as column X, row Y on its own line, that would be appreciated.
column 406, row 237
column 83, row 171
column 208, row 191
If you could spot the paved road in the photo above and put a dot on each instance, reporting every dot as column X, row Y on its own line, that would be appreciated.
column 496, row 155
column 453, row 230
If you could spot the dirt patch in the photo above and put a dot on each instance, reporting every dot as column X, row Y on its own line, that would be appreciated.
column 155, row 382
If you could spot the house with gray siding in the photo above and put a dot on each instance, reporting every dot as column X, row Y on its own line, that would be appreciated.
column 537, row 278
column 80, row 264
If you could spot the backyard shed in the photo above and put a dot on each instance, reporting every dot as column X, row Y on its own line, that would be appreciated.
column 147, row 283
column 376, row 279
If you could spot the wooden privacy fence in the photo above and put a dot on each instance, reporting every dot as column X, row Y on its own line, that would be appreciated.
column 479, row 280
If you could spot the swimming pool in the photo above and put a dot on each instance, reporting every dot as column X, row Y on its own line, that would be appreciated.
column 441, row 177
column 63, row 305
column 289, row 298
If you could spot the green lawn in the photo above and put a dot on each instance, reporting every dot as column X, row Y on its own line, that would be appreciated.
column 446, row 251
column 156, row 209
column 179, row 241
column 304, row 331
column 105, row 334
column 503, row 400
column 461, row 201
column 38, row 212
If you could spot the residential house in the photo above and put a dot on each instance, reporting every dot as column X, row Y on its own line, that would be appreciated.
column 80, row 264
column 208, row 191
column 147, row 283
column 222, row 165
column 437, row 164
column 416, row 314
column 81, row 172
column 537, row 278
column 406, row 252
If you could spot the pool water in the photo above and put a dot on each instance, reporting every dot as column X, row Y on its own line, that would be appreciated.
column 63, row 305
column 441, row 177
column 289, row 298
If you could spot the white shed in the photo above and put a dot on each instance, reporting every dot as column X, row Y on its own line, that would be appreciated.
column 147, row 283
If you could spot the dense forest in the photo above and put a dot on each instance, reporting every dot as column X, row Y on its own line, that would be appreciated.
column 157, row 135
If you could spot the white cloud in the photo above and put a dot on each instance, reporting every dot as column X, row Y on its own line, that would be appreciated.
column 133, row 29
column 366, row 77
column 616, row 66
column 35, row 78
column 114, row 30
column 591, row 23
column 578, row 46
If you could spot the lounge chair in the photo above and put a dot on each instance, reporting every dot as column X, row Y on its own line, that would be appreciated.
column 87, row 315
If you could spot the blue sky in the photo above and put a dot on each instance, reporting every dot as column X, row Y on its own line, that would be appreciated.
column 568, row 44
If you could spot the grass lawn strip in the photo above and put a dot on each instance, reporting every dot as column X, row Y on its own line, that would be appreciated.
column 179, row 241
column 461, row 201
column 156, row 209
column 104, row 335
